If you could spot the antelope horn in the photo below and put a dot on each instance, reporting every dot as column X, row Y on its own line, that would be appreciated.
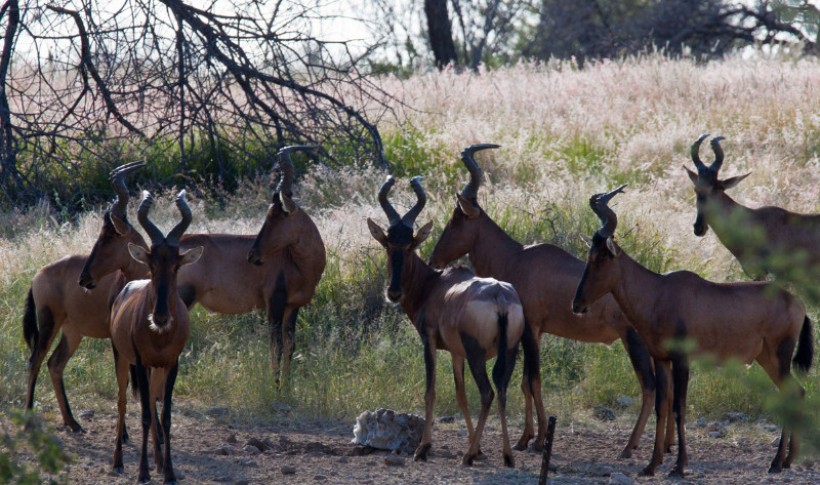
column 142, row 215
column 411, row 215
column 695, row 149
column 718, row 153
column 286, row 165
column 470, row 191
column 393, row 217
column 117, row 179
column 609, row 221
column 178, row 230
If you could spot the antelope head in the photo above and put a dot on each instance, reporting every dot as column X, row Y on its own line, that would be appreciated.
column 283, row 223
column 707, row 185
column 399, row 241
column 110, row 251
column 601, row 273
column 163, row 259
column 460, row 234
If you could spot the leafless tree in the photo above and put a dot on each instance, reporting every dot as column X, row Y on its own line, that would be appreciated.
column 84, row 80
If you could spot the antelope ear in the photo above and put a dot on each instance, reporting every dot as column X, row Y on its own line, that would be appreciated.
column 139, row 253
column 191, row 256
column 121, row 226
column 692, row 175
column 288, row 206
column 613, row 248
column 468, row 208
column 587, row 240
column 422, row 234
column 732, row 181
column 377, row 232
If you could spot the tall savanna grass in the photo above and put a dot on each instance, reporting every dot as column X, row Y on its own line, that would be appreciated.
column 565, row 134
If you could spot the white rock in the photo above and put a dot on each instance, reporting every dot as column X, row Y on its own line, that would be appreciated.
column 385, row 429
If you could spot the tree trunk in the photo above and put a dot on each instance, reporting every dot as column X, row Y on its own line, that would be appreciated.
column 10, row 182
column 440, row 32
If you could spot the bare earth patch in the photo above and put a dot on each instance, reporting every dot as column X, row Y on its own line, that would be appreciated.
column 210, row 449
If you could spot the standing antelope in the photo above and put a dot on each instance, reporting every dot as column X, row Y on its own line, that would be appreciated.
column 784, row 232
column 472, row 318
column 149, row 328
column 57, row 303
column 288, row 259
column 747, row 321
column 545, row 278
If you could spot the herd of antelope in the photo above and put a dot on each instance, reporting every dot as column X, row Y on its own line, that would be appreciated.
column 138, row 295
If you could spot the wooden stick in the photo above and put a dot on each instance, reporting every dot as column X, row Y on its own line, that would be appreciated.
column 545, row 461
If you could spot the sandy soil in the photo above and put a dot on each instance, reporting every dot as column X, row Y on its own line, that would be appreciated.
column 210, row 447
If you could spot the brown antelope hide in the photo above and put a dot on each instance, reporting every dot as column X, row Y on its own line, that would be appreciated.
column 288, row 256
column 149, row 328
column 55, row 303
column 748, row 321
column 784, row 233
column 545, row 277
column 472, row 318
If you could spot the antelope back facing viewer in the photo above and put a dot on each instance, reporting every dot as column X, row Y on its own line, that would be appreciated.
column 149, row 328
column 472, row 318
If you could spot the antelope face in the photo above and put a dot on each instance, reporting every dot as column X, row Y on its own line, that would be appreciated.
column 110, row 252
column 706, row 183
column 282, row 228
column 164, row 261
column 459, row 235
column 601, row 274
column 400, row 244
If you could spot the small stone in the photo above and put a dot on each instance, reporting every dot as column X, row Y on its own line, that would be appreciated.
column 86, row 414
column 251, row 450
column 247, row 462
column 619, row 478
column 771, row 427
column 257, row 443
column 217, row 412
column 446, row 419
column 343, row 459
column 232, row 439
column 319, row 478
column 603, row 413
column 224, row 450
column 702, row 422
column 393, row 460
column 288, row 470
column 241, row 481
column 624, row 401
column 737, row 417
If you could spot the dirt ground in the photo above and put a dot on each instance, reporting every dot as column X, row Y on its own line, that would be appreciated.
column 210, row 447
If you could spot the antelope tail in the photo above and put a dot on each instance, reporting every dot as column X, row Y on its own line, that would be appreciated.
column 805, row 347
column 500, row 367
column 30, row 331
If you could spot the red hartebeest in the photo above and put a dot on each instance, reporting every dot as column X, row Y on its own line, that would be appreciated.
column 149, row 328
column 747, row 321
column 783, row 233
column 472, row 318
column 57, row 303
column 545, row 277
column 288, row 259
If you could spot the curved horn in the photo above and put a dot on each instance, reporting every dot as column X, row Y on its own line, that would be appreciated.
column 179, row 229
column 718, row 153
column 695, row 149
column 117, row 179
column 286, row 165
column 411, row 215
column 470, row 191
column 142, row 215
column 609, row 221
column 393, row 217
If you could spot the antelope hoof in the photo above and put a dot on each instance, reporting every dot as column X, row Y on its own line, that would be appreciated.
column 509, row 461
column 118, row 470
column 75, row 427
column 775, row 469
column 677, row 472
column 667, row 449
column 627, row 453
column 649, row 471
column 468, row 459
column 522, row 443
column 421, row 452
